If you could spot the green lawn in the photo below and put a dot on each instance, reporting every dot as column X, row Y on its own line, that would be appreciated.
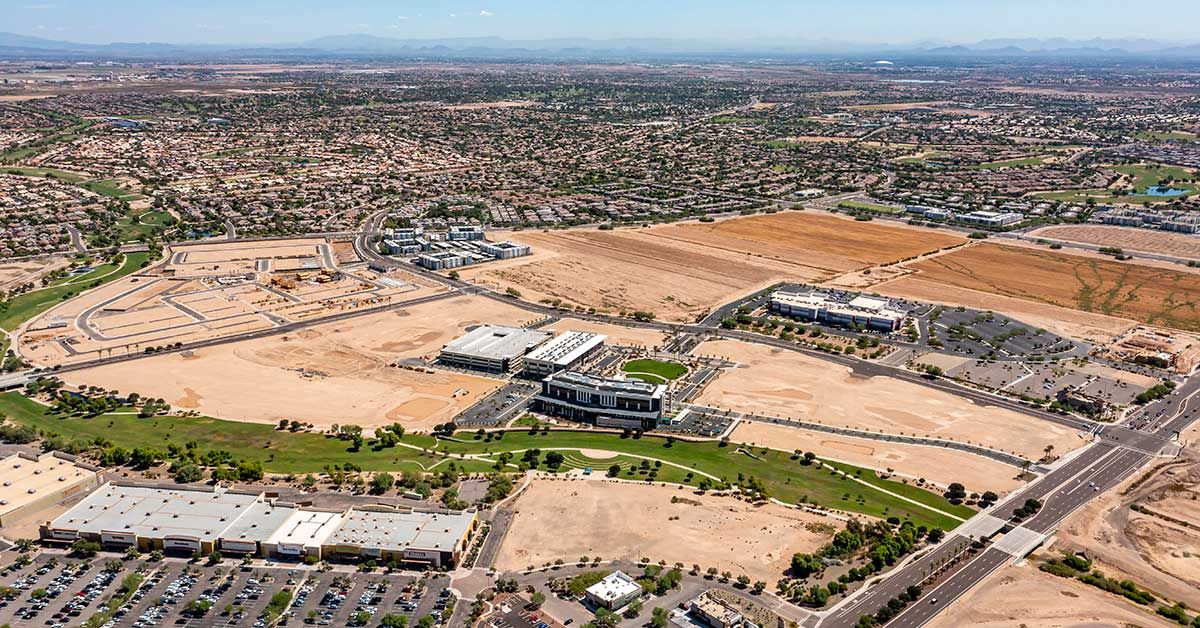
column 870, row 207
column 287, row 452
column 26, row 306
column 110, row 188
column 134, row 226
column 659, row 371
column 1165, row 135
column 49, row 173
column 1011, row 163
column 1142, row 176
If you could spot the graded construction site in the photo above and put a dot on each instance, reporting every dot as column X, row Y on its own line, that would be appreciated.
column 209, row 291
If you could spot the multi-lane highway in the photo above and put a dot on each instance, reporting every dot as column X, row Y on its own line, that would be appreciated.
column 1096, row 469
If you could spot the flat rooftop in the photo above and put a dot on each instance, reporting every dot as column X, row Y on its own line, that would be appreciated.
column 307, row 527
column 26, row 479
column 259, row 522
column 614, row 586
column 401, row 530
column 157, row 512
column 567, row 347
column 496, row 342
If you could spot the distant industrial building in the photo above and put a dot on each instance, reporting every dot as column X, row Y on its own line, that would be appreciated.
column 562, row 353
column 614, row 591
column 31, row 482
column 204, row 520
column 493, row 348
column 863, row 312
column 604, row 401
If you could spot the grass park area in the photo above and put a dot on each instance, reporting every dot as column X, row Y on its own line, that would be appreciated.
column 28, row 305
column 1141, row 177
column 1011, row 163
column 111, row 188
column 780, row 473
column 875, row 208
column 654, row 371
column 1162, row 136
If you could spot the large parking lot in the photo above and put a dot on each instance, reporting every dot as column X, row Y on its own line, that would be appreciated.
column 54, row 590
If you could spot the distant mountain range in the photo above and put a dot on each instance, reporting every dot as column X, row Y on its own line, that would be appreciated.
column 363, row 45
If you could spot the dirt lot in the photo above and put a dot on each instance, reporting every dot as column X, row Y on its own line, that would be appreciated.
column 785, row 383
column 1127, row 238
column 572, row 518
column 934, row 465
column 680, row 271
column 331, row 373
column 15, row 273
column 1026, row 597
column 617, row 334
column 1147, row 548
column 1151, row 295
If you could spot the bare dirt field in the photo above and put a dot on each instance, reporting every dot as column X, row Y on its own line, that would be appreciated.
column 1026, row 597
column 1128, row 238
column 915, row 462
column 679, row 271
column 617, row 334
column 1146, row 547
column 329, row 373
column 17, row 272
column 783, row 383
column 622, row 520
column 1151, row 295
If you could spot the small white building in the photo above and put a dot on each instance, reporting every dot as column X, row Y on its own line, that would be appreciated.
column 614, row 591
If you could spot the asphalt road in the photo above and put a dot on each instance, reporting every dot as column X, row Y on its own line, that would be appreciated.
column 1095, row 470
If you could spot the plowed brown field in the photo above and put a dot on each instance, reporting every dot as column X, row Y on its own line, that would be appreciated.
column 1151, row 295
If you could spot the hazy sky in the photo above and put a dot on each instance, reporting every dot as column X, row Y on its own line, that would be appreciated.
column 900, row 21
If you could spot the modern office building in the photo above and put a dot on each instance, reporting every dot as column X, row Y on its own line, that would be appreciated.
column 492, row 348
column 563, row 352
column 31, row 482
column 990, row 219
column 863, row 312
column 606, row 402
column 614, row 591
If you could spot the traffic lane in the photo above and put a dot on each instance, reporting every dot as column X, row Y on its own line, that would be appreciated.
column 1089, row 485
column 924, row 609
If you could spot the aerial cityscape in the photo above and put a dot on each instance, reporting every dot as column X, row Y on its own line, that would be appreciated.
column 536, row 315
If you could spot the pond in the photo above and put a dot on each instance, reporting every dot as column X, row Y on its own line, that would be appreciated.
column 1162, row 190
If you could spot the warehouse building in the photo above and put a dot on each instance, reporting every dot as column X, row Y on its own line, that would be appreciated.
column 563, row 352
column 606, row 402
column 614, row 591
column 148, row 518
column 493, row 348
column 860, row 312
column 31, row 482
column 435, row 539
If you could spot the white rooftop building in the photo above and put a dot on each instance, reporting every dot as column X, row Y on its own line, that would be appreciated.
column 614, row 591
